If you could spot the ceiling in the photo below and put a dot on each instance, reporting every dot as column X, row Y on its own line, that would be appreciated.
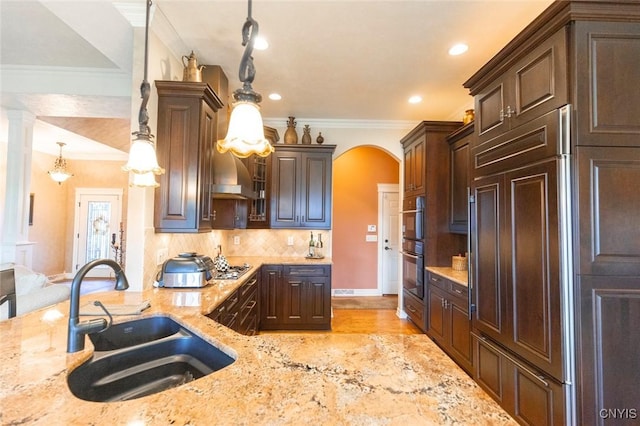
column 69, row 62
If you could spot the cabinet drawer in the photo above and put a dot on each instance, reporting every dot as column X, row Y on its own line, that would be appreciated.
column 307, row 271
column 438, row 281
column 523, row 391
column 248, row 288
column 459, row 290
column 414, row 308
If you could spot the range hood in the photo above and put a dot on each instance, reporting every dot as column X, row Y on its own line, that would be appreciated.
column 231, row 178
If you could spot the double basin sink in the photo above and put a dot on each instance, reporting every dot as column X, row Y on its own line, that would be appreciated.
column 142, row 357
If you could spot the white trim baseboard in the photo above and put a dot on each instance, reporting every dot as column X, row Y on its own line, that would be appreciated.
column 351, row 292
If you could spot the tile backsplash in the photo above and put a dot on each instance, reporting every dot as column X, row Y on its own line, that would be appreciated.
column 250, row 242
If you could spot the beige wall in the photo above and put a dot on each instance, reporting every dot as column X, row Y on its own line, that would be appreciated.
column 53, row 215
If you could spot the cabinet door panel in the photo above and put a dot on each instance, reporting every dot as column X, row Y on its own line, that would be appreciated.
column 608, row 55
column 318, row 296
column 459, row 185
column 294, row 305
column 488, row 288
column 437, row 315
column 316, row 184
column 460, row 334
column 271, row 298
column 209, row 134
column 609, row 203
column 532, row 259
column 490, row 105
column 609, row 347
column 419, row 174
column 285, row 189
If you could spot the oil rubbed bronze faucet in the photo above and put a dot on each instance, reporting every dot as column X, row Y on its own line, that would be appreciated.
column 77, row 329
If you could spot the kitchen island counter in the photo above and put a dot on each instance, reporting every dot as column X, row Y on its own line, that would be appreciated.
column 277, row 379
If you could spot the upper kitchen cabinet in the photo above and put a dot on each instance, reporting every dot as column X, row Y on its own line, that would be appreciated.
column 260, row 171
column 187, row 135
column 301, row 186
column 459, row 143
column 523, row 88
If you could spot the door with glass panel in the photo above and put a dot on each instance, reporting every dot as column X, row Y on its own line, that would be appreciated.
column 97, row 228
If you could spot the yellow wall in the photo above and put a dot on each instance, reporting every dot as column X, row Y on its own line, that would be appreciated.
column 356, row 175
column 53, row 214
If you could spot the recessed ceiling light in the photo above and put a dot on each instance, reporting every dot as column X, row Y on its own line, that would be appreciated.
column 458, row 49
column 260, row 43
column 415, row 99
column 275, row 96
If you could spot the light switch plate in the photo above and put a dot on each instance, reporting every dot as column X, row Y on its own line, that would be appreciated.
column 371, row 228
column 371, row 238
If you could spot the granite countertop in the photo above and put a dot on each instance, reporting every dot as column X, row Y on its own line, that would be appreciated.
column 277, row 379
column 460, row 277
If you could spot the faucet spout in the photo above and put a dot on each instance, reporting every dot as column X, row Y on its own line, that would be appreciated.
column 77, row 329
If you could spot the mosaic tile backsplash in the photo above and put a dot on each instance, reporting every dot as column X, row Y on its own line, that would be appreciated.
column 251, row 242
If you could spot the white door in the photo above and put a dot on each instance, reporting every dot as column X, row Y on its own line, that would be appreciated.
column 97, row 225
column 390, row 242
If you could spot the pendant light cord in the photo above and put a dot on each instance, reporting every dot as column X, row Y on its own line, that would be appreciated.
column 145, row 87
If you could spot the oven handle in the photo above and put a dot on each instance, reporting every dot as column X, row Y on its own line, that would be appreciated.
column 404, row 253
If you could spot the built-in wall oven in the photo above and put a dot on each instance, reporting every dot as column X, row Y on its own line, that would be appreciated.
column 413, row 267
column 413, row 218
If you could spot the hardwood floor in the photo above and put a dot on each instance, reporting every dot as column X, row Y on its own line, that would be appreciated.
column 371, row 321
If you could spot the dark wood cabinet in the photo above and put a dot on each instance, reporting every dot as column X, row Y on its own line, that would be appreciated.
column 296, row 297
column 260, row 171
column 530, row 87
column 459, row 143
column 414, row 155
column 301, row 186
column 240, row 311
column 415, row 309
column 448, row 322
column 556, row 252
column 187, row 134
column 527, row 394
column 228, row 213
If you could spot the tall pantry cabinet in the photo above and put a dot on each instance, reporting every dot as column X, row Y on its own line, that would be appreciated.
column 555, row 238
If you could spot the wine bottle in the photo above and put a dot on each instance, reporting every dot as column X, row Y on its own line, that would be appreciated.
column 319, row 246
column 311, row 246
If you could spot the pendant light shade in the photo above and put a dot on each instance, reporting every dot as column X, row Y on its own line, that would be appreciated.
column 246, row 132
column 59, row 173
column 142, row 154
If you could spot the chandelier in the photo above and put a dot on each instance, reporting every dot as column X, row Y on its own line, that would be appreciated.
column 59, row 173
column 246, row 131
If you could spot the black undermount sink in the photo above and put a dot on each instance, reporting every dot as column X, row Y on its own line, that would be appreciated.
column 157, row 362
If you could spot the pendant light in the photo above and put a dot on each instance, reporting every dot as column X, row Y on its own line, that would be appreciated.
column 246, row 130
column 142, row 155
column 59, row 173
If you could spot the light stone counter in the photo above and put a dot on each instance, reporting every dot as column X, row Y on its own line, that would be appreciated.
column 277, row 379
column 460, row 277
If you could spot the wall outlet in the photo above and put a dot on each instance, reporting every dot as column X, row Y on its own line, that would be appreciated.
column 290, row 241
column 371, row 228
column 236, row 240
column 161, row 255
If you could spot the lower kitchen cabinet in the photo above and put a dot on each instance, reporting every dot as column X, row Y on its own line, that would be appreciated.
column 414, row 308
column 523, row 391
column 448, row 322
column 241, row 309
column 296, row 297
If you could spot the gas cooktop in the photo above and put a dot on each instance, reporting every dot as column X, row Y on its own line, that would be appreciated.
column 233, row 273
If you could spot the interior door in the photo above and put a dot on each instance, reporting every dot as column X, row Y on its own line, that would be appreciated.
column 97, row 224
column 391, row 241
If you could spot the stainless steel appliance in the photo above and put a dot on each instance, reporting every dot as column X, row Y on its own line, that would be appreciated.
column 186, row 270
column 232, row 273
column 413, row 267
column 413, row 218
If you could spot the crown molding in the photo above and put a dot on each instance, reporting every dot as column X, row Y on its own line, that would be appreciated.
column 338, row 123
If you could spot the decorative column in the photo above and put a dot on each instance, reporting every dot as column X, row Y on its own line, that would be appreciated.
column 15, row 222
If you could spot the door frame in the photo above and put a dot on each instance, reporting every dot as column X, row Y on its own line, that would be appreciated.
column 80, row 192
column 385, row 188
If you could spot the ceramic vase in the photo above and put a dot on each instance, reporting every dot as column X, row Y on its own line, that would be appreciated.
column 290, row 135
column 306, row 135
column 320, row 138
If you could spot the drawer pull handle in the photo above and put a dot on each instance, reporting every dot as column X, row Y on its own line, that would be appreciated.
column 251, row 305
column 457, row 291
column 411, row 309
